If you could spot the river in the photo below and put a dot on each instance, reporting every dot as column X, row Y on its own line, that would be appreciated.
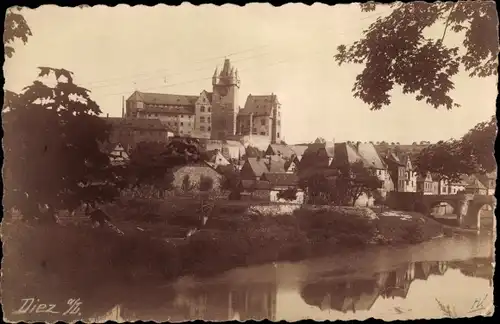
column 447, row 277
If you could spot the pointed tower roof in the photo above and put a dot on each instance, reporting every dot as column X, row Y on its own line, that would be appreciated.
column 216, row 71
column 226, row 68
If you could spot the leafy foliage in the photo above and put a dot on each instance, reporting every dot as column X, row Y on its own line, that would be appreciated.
column 52, row 148
column 186, row 186
column 15, row 27
column 206, row 183
column 473, row 153
column 352, row 181
column 395, row 51
column 152, row 163
column 341, row 186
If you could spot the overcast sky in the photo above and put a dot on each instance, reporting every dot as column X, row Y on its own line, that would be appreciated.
column 287, row 51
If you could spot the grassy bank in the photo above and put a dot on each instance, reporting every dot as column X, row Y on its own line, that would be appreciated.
column 76, row 258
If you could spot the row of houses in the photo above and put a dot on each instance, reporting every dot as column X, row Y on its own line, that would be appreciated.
column 266, row 171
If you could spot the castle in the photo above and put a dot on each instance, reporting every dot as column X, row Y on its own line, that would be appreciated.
column 213, row 115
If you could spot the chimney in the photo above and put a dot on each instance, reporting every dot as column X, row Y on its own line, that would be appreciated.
column 107, row 115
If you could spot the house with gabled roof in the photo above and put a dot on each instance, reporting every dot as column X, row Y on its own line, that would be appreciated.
column 261, row 117
column 215, row 159
column 489, row 180
column 131, row 131
column 118, row 154
column 425, row 184
column 281, row 150
column 254, row 168
column 299, row 150
column 280, row 182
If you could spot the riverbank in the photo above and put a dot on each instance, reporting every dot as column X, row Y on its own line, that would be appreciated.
column 231, row 238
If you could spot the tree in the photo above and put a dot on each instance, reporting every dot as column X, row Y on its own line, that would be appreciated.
column 479, row 143
column 473, row 153
column 152, row 163
column 352, row 181
column 395, row 51
column 147, row 167
column 186, row 186
column 15, row 27
column 206, row 183
column 52, row 144
column 443, row 159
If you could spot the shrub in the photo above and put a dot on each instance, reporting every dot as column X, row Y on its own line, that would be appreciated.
column 206, row 183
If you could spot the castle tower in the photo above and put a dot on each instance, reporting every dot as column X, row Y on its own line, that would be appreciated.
column 225, row 101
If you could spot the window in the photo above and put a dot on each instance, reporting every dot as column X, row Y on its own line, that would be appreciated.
column 262, row 133
column 202, row 128
column 182, row 116
column 202, row 119
column 209, row 109
column 202, row 108
column 262, row 122
column 209, row 128
column 278, row 135
column 208, row 119
column 182, row 124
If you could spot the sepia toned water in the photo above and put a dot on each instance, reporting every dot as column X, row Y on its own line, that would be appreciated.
column 448, row 277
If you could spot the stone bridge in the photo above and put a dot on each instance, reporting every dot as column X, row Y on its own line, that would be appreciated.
column 467, row 207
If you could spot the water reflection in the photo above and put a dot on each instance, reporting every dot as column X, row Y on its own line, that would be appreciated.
column 360, row 294
column 224, row 301
column 383, row 283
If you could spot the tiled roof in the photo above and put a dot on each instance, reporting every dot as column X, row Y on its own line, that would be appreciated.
column 299, row 149
column 209, row 95
column 164, row 98
column 255, row 185
column 345, row 153
column 283, row 150
column 281, row 179
column 258, row 166
column 275, row 164
column 368, row 152
column 259, row 105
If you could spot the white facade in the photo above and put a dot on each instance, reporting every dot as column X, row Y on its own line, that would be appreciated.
column 203, row 116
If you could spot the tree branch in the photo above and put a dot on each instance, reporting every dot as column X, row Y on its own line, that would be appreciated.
column 448, row 21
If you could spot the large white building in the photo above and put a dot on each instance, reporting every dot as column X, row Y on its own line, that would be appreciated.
column 215, row 115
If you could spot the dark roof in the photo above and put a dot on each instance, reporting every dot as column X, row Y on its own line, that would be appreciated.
column 299, row 149
column 209, row 95
column 176, row 104
column 346, row 153
column 281, row 179
column 259, row 105
column 255, row 185
column 368, row 152
column 257, row 165
column 281, row 149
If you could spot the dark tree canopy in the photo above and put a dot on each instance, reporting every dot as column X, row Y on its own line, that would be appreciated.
column 342, row 185
column 52, row 148
column 15, row 27
column 473, row 153
column 151, row 163
column 395, row 51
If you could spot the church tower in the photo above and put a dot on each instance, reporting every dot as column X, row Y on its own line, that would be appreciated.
column 225, row 105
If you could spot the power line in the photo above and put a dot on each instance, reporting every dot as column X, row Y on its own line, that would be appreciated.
column 209, row 59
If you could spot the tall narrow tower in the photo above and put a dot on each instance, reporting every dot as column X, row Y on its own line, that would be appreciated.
column 225, row 105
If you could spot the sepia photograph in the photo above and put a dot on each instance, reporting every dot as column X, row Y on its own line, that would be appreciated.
column 249, row 162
